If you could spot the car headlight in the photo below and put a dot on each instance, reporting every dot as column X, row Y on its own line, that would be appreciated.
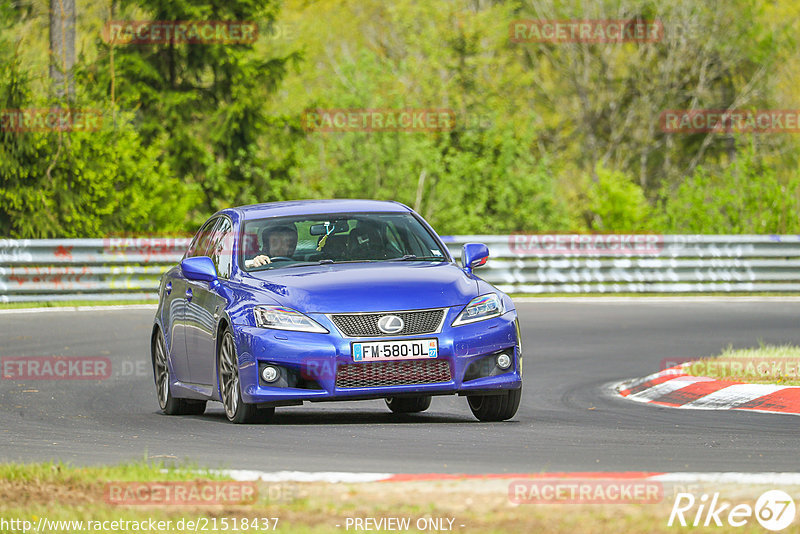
column 281, row 318
column 479, row 309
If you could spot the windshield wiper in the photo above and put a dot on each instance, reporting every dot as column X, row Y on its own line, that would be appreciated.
column 326, row 261
column 271, row 266
column 414, row 257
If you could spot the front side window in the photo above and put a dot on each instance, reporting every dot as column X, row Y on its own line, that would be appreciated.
column 200, row 243
column 336, row 238
column 220, row 248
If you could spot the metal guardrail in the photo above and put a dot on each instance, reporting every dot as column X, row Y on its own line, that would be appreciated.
column 640, row 263
column 129, row 269
column 85, row 269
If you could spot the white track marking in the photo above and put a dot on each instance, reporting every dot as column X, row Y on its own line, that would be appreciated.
column 772, row 479
column 669, row 386
column 332, row 477
column 80, row 308
column 632, row 383
column 733, row 395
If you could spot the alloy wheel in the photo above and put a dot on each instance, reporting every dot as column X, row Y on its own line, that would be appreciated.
column 162, row 373
column 229, row 376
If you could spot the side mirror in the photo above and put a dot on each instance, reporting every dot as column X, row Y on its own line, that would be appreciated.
column 474, row 255
column 199, row 268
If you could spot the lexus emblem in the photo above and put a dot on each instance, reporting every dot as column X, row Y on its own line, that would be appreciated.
column 390, row 324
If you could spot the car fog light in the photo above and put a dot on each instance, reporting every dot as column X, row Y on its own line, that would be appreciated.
column 270, row 374
column 503, row 361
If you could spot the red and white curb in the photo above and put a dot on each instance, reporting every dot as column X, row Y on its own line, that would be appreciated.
column 674, row 388
column 777, row 479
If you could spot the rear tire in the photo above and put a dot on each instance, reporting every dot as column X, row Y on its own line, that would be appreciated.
column 495, row 407
column 169, row 404
column 230, row 391
column 408, row 404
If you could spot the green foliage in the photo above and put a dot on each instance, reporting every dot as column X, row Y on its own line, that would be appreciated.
column 6, row 16
column 744, row 197
column 202, row 105
column 81, row 183
column 494, row 185
column 195, row 128
column 616, row 203
column 486, row 182
column 479, row 177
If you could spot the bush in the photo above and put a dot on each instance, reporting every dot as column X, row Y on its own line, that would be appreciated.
column 615, row 203
column 82, row 183
column 745, row 197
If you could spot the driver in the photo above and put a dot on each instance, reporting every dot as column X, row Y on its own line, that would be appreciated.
column 277, row 241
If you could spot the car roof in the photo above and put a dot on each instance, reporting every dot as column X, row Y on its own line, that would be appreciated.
column 318, row 207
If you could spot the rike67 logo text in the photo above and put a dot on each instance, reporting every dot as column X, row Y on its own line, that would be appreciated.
column 774, row 510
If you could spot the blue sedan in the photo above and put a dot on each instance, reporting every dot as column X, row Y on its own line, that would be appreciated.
column 282, row 303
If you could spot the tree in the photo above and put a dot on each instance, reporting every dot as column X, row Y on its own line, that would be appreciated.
column 481, row 175
column 62, row 47
column 202, row 105
column 80, row 183
column 745, row 197
column 601, row 103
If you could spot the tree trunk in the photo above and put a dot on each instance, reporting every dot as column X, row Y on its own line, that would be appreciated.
column 62, row 47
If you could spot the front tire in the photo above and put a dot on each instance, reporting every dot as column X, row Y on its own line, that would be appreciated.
column 169, row 404
column 230, row 390
column 408, row 404
column 495, row 407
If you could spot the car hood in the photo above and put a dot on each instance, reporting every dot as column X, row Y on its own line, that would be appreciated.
column 364, row 287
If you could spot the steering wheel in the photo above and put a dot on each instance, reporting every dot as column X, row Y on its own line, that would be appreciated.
column 273, row 258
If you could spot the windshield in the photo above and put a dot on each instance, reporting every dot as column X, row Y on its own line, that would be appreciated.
column 280, row 242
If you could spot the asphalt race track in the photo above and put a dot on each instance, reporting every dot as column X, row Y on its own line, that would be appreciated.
column 568, row 421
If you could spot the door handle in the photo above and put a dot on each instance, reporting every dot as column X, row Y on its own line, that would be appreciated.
column 168, row 288
column 189, row 294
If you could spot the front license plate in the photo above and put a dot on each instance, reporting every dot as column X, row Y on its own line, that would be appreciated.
column 407, row 349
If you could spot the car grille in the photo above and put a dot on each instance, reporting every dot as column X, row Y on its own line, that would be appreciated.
column 376, row 374
column 366, row 324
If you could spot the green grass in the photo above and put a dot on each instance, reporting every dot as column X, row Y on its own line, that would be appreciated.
column 767, row 364
column 141, row 471
column 60, row 492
